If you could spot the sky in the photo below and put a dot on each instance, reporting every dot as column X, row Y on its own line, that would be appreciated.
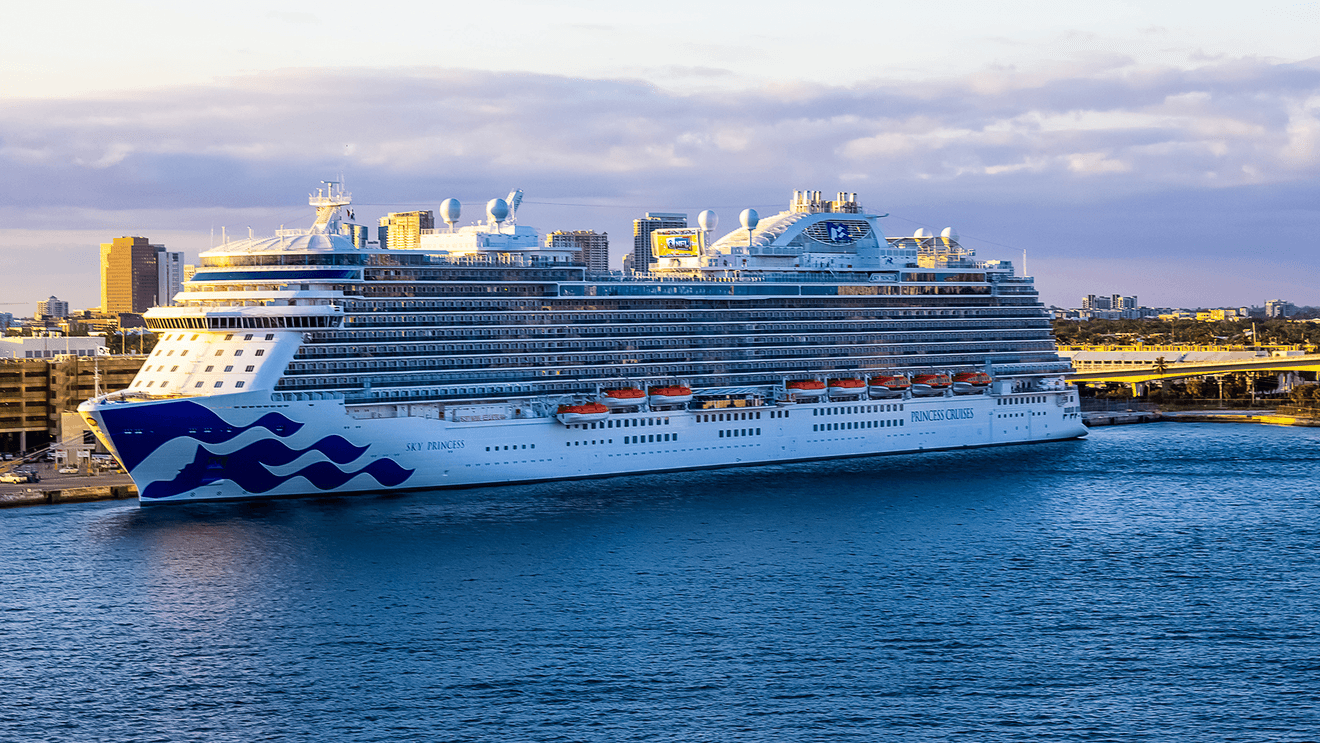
column 1168, row 150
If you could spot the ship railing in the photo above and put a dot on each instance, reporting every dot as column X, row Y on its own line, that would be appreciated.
column 746, row 277
column 480, row 260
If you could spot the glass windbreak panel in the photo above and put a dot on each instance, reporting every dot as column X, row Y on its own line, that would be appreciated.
column 284, row 259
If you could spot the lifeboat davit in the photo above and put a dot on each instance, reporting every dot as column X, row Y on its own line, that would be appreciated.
column 672, row 395
column 846, row 387
column 930, row 385
column 629, row 397
column 807, row 388
column 970, row 383
column 592, row 411
column 888, row 385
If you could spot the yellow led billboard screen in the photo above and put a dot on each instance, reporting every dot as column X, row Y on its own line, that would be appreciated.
column 667, row 243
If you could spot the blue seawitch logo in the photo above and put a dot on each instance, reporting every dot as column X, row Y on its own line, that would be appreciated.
column 139, row 430
column 934, row 416
column 247, row 468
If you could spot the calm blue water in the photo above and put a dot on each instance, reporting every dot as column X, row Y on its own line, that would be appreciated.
column 1152, row 583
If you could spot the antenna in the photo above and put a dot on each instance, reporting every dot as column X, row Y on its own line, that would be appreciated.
column 497, row 210
column 450, row 209
column 749, row 219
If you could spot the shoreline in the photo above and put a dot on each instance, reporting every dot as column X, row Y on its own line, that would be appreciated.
column 1259, row 417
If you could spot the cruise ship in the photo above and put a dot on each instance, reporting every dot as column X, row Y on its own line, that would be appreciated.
column 310, row 363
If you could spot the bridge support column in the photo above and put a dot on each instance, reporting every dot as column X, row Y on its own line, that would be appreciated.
column 1138, row 389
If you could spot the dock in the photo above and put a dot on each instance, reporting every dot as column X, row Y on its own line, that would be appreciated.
column 57, row 488
column 1119, row 418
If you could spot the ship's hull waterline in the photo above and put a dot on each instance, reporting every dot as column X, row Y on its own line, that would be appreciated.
column 176, row 452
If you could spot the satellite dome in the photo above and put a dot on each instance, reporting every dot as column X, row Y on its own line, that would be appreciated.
column 708, row 220
column 497, row 210
column 449, row 211
column 923, row 232
column 949, row 234
column 749, row 219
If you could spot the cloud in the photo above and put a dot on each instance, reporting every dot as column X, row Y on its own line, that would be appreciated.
column 1098, row 134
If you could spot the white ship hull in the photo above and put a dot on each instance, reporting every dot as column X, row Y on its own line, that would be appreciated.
column 242, row 446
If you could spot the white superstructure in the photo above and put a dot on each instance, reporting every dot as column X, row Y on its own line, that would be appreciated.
column 303, row 364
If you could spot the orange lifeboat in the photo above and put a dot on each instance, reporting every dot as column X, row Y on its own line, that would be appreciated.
column 623, row 398
column 888, row 385
column 846, row 387
column 675, row 394
column 592, row 411
column 970, row 383
column 806, row 388
column 930, row 385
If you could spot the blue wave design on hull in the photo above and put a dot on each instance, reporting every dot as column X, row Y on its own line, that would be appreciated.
column 164, row 422
column 246, row 468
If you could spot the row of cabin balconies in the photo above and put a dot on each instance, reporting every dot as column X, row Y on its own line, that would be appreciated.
column 885, row 356
column 721, row 373
column 395, row 347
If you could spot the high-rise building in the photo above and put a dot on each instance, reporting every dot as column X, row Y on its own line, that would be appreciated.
column 642, row 229
column 355, row 232
column 129, row 278
column 52, row 309
column 1116, row 302
column 593, row 247
column 1280, row 308
column 190, row 269
column 403, row 230
column 169, row 276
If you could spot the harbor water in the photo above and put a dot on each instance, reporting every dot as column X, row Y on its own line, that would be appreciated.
column 1149, row 583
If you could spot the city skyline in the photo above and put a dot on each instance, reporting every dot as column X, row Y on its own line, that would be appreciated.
column 1169, row 152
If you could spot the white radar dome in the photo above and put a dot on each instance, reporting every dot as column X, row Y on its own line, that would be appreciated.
column 749, row 219
column 497, row 210
column 450, row 209
column 923, row 232
column 708, row 220
column 950, row 234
